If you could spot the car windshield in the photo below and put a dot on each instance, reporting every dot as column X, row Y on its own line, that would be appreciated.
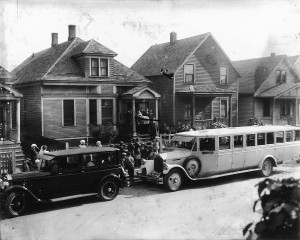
column 190, row 145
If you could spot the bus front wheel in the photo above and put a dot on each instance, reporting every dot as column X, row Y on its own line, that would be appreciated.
column 173, row 181
column 266, row 168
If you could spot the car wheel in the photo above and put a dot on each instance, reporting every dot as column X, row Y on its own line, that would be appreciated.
column 108, row 190
column 192, row 166
column 15, row 204
column 173, row 181
column 266, row 168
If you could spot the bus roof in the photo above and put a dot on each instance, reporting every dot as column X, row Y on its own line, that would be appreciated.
column 237, row 130
column 75, row 151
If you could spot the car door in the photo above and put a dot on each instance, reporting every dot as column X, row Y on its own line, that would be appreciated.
column 239, row 152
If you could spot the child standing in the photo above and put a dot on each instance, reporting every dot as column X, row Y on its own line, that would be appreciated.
column 129, row 163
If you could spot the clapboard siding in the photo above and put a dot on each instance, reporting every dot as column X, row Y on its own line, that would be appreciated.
column 164, row 86
column 246, row 108
column 271, row 80
column 53, row 119
column 32, row 97
column 65, row 90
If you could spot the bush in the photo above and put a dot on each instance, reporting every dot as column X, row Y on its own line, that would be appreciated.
column 255, row 121
column 280, row 202
column 105, row 133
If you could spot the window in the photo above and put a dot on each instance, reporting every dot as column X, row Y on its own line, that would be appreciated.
column 261, row 139
column 238, row 141
column 69, row 163
column 207, row 145
column 93, row 111
column 285, row 108
column 68, row 113
column 270, row 138
column 289, row 136
column 104, row 67
column 224, row 143
column 279, row 137
column 266, row 108
column 223, row 75
column 280, row 76
column 297, row 135
column 187, row 112
column 250, row 140
column 189, row 73
column 99, row 67
column 223, row 107
column 94, row 67
column 107, row 111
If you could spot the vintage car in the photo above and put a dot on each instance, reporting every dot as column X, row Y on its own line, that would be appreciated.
column 217, row 152
column 64, row 173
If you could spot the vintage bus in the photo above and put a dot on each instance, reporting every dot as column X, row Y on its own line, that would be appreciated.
column 217, row 152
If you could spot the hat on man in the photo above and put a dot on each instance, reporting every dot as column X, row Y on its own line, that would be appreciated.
column 33, row 145
column 124, row 153
column 82, row 141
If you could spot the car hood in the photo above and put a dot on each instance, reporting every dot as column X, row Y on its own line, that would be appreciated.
column 176, row 154
column 28, row 175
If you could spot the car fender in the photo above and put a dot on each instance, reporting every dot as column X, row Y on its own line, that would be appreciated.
column 114, row 176
column 21, row 188
column 175, row 166
column 265, row 157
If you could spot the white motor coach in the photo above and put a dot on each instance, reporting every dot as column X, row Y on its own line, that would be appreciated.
column 217, row 152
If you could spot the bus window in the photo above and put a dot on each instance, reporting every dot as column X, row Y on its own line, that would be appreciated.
column 289, row 136
column 270, row 138
column 261, row 139
column 279, row 137
column 207, row 144
column 250, row 140
column 224, row 143
column 297, row 135
column 238, row 141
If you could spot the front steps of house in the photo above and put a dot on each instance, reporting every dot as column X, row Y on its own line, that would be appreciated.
column 16, row 150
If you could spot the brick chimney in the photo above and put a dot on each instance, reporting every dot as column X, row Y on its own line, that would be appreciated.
column 173, row 37
column 54, row 39
column 72, row 32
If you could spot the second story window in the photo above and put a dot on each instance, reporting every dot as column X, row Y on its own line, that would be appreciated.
column 280, row 76
column 223, row 75
column 99, row 67
column 189, row 73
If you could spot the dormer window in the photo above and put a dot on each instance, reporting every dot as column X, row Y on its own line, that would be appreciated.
column 280, row 76
column 99, row 67
column 223, row 75
column 189, row 73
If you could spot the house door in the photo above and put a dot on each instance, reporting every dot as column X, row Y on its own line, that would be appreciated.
column 4, row 117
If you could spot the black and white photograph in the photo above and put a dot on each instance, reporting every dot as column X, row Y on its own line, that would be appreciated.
column 149, row 119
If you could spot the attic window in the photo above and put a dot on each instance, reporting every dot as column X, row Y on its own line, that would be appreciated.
column 223, row 75
column 99, row 67
column 280, row 76
column 189, row 73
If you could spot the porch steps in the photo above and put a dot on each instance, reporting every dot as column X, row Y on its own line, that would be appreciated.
column 14, row 147
column 144, row 137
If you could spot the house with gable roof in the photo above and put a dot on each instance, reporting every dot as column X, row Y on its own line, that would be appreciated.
column 269, row 89
column 295, row 61
column 195, row 78
column 78, row 83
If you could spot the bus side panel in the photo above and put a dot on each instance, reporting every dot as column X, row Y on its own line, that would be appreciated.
column 251, row 158
column 280, row 152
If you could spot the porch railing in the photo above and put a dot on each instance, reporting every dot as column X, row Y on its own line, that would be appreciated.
column 7, row 164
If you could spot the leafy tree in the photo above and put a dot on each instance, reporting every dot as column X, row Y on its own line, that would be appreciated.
column 105, row 133
column 255, row 121
column 280, row 203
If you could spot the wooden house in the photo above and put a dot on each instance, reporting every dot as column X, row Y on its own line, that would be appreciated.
column 195, row 78
column 269, row 89
column 78, row 83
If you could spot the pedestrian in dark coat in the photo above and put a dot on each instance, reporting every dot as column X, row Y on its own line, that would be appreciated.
column 129, row 163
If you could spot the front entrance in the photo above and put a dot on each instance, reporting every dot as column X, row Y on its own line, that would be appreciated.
column 4, row 119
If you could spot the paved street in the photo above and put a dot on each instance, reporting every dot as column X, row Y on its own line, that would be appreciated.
column 210, row 209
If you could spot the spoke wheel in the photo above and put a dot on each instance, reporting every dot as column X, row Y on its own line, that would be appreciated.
column 192, row 166
column 108, row 190
column 266, row 168
column 15, row 204
column 173, row 181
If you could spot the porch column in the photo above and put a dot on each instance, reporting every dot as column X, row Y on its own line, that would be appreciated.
column 193, row 110
column 156, row 108
column 297, row 111
column 18, row 122
column 133, row 118
column 273, row 112
column 230, row 112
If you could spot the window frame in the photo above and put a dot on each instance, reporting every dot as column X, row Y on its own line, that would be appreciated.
column 227, row 102
column 99, row 67
column 226, row 79
column 266, row 108
column 185, row 74
column 63, row 115
column 112, row 110
column 280, row 77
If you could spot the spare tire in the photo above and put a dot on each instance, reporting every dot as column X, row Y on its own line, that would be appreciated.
column 192, row 165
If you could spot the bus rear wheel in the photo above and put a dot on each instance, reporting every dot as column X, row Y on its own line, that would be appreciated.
column 266, row 168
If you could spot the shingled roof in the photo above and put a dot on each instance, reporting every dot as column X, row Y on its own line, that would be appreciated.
column 59, row 63
column 4, row 73
column 167, row 56
column 278, row 90
column 255, row 71
column 199, row 89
